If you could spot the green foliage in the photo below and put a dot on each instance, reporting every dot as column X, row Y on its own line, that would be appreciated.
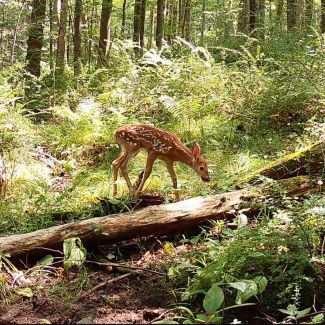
column 74, row 253
column 253, row 261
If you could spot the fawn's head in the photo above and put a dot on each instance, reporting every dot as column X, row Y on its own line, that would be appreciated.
column 199, row 164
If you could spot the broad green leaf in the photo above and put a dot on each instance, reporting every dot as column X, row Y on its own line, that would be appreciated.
column 25, row 292
column 240, row 285
column 74, row 253
column 188, row 321
column 46, row 260
column 285, row 311
column 318, row 319
column 201, row 318
column 261, row 282
column 246, row 289
column 213, row 299
column 302, row 313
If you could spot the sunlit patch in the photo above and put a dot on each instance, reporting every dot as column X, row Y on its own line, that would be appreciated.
column 191, row 204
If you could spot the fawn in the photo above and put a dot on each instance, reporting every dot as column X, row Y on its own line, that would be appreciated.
column 159, row 144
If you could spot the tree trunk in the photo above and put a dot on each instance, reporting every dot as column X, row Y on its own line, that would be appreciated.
column 151, row 29
column 252, row 16
column 60, row 57
column 300, row 17
column 229, row 22
column 279, row 16
column 77, row 37
column 180, row 16
column 153, row 220
column 90, row 35
column 137, row 25
column 309, row 14
column 105, row 30
column 123, row 19
column 68, row 37
column 174, row 21
column 322, row 22
column 243, row 17
column 186, row 28
column 160, row 22
column 51, row 35
column 261, row 19
column 308, row 161
column 202, row 22
column 142, row 22
column 291, row 14
column 35, row 38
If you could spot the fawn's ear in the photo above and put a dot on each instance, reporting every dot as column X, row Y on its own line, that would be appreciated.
column 196, row 150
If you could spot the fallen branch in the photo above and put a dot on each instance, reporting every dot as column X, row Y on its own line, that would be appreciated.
column 307, row 161
column 123, row 266
column 98, row 286
column 154, row 220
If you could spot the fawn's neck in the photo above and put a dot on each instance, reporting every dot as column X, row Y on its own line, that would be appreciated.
column 184, row 155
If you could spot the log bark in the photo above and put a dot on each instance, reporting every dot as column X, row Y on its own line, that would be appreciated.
column 307, row 161
column 153, row 220
column 162, row 219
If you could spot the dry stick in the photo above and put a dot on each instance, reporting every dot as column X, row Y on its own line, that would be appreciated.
column 98, row 286
column 127, row 267
column 16, row 277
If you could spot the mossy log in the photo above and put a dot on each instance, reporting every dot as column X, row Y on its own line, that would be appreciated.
column 307, row 161
column 154, row 220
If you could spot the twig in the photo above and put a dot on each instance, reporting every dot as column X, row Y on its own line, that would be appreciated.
column 127, row 267
column 98, row 286
column 160, row 316
column 15, row 276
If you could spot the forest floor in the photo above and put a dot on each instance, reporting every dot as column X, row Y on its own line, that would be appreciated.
column 132, row 300
column 125, row 296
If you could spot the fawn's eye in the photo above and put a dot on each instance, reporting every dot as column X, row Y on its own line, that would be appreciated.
column 201, row 168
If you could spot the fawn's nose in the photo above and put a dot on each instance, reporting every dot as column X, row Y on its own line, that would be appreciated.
column 205, row 179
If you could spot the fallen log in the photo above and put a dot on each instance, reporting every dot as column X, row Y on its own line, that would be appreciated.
column 307, row 161
column 153, row 220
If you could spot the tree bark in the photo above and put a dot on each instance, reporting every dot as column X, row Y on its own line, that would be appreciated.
column 243, row 17
column 153, row 220
column 202, row 22
column 60, row 57
column 322, row 22
column 291, row 14
column 123, row 18
column 142, row 22
column 77, row 37
column 252, row 16
column 35, row 38
column 308, row 161
column 137, row 25
column 68, row 36
column 151, row 28
column 186, row 28
column 160, row 23
column 309, row 13
column 105, row 30
column 261, row 19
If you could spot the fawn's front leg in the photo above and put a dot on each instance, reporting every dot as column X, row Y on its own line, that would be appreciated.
column 172, row 174
column 150, row 160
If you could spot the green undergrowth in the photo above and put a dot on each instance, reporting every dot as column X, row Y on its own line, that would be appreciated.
column 283, row 246
column 57, row 140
